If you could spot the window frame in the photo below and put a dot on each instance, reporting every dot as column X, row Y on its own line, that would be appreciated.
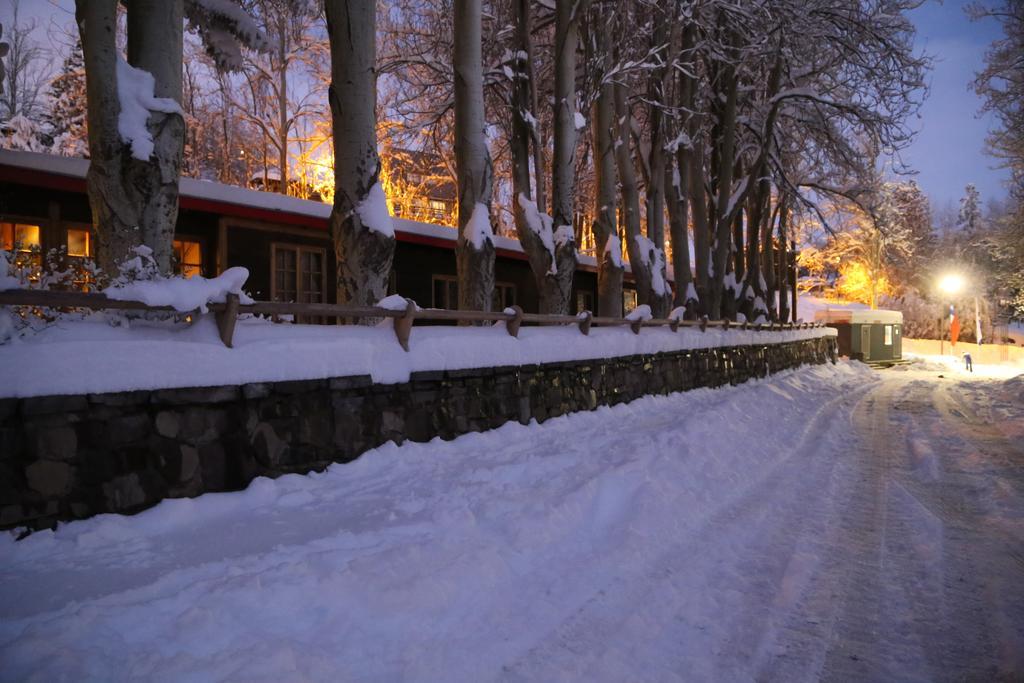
column 181, row 237
column 298, row 249
column 434, row 279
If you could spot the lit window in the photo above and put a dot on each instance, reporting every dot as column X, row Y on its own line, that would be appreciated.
column 438, row 205
column 79, row 243
column 628, row 299
column 24, row 241
column 19, row 235
column 188, row 257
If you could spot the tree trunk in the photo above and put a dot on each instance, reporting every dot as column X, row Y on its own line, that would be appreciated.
column 724, row 175
column 155, row 35
column 699, row 211
column 656, row 123
column 364, row 238
column 783, row 260
column 563, row 166
column 532, row 226
column 610, row 268
column 475, row 250
column 677, row 212
column 642, row 259
column 681, row 186
column 134, row 201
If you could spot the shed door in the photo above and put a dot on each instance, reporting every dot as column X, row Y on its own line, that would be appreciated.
column 865, row 341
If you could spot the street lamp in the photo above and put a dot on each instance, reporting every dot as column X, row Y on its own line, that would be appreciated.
column 950, row 284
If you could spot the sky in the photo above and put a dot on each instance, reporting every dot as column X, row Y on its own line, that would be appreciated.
column 948, row 151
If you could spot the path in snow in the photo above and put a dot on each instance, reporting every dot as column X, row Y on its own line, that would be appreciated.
column 829, row 523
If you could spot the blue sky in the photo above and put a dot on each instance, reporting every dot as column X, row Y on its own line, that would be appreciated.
column 948, row 152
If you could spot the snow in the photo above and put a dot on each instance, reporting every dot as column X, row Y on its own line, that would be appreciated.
column 578, row 121
column 373, row 211
column 184, row 294
column 954, row 366
column 135, row 95
column 564, row 235
column 541, row 224
column 478, row 229
column 691, row 292
column 654, row 258
column 673, row 542
column 394, row 302
column 7, row 281
column 641, row 312
column 613, row 247
column 92, row 356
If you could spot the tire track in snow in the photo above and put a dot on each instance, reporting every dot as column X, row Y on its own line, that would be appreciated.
column 752, row 583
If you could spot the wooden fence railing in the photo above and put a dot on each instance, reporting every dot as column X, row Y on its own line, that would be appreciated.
column 227, row 314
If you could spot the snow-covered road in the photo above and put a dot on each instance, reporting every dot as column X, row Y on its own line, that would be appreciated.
column 829, row 523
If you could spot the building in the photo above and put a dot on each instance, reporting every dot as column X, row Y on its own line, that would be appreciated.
column 873, row 336
column 282, row 240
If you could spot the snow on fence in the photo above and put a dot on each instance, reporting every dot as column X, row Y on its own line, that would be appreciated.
column 404, row 312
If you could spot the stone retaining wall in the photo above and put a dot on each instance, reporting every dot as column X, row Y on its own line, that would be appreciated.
column 69, row 457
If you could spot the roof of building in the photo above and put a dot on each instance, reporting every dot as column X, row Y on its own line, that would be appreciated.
column 237, row 201
column 859, row 316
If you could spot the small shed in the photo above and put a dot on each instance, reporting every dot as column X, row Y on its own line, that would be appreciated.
column 871, row 336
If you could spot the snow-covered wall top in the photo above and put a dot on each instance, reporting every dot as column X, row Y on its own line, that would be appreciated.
column 95, row 357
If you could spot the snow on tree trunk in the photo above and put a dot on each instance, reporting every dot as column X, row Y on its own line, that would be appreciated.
column 155, row 34
column 475, row 249
column 651, row 288
column 563, row 166
column 136, row 130
column 361, row 228
column 532, row 225
column 610, row 268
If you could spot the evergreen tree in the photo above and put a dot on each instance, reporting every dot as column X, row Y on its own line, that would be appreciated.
column 969, row 220
column 67, row 116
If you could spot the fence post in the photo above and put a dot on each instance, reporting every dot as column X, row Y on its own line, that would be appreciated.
column 703, row 323
column 403, row 325
column 512, row 326
column 584, row 323
column 226, row 319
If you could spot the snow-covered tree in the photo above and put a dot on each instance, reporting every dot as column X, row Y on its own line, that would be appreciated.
column 67, row 114
column 364, row 239
column 969, row 218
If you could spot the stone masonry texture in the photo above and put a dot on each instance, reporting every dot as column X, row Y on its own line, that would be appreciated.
column 70, row 457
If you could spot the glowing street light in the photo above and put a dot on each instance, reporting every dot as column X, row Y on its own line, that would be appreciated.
column 951, row 284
